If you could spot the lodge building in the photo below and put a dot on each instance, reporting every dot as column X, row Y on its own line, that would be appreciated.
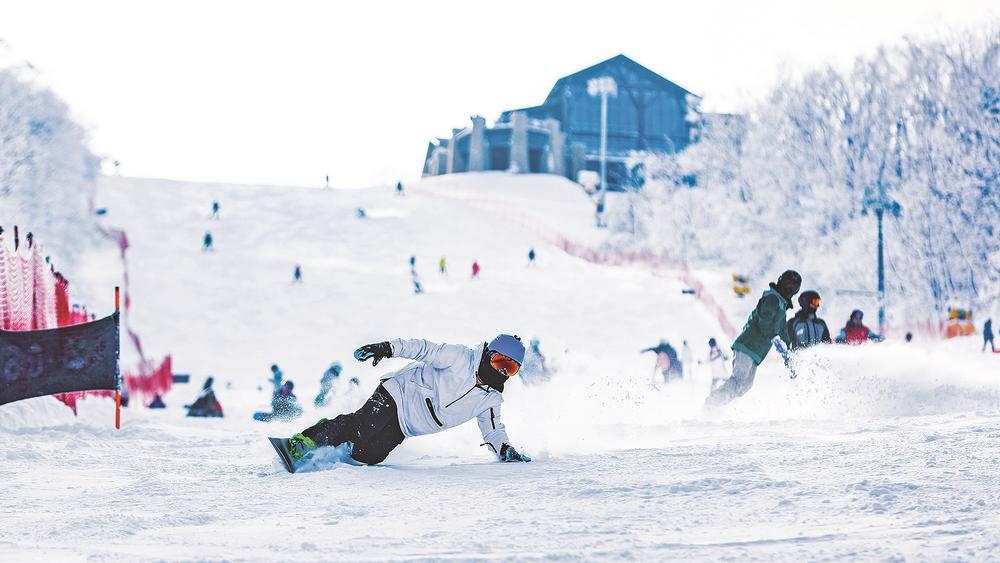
column 563, row 134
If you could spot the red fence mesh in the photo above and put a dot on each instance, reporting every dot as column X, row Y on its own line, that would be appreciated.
column 33, row 297
column 649, row 258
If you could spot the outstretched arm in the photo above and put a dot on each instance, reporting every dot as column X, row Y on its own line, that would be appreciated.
column 495, row 436
column 437, row 355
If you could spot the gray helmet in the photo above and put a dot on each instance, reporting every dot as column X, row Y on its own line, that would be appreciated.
column 509, row 346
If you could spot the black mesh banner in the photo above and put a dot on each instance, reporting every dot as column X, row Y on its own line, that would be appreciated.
column 80, row 357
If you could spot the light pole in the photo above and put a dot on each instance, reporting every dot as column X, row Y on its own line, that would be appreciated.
column 881, row 204
column 603, row 86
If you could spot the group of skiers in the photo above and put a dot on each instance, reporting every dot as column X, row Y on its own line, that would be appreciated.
column 418, row 287
column 766, row 323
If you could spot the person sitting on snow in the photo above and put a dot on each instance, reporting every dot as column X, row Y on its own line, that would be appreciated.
column 445, row 386
column 806, row 328
column 765, row 322
column 284, row 405
column 855, row 332
column 206, row 404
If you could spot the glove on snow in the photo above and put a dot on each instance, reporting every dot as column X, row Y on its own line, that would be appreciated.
column 379, row 351
column 508, row 453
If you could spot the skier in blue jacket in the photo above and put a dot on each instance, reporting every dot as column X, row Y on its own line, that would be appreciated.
column 445, row 386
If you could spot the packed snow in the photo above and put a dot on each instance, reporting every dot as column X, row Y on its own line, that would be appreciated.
column 883, row 451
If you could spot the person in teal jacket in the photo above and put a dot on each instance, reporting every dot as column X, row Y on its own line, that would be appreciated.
column 766, row 321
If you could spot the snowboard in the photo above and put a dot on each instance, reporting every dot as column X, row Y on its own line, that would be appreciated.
column 281, row 446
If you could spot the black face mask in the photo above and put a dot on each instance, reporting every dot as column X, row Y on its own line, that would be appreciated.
column 487, row 374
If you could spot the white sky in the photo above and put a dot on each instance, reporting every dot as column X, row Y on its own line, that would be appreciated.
column 287, row 92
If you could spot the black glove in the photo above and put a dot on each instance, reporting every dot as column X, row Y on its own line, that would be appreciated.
column 379, row 351
column 508, row 453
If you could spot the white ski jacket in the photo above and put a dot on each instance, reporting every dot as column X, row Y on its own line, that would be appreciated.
column 439, row 391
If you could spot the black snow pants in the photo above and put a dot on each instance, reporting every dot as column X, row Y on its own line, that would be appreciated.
column 373, row 429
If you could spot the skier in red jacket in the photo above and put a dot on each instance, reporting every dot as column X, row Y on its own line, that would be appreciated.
column 855, row 332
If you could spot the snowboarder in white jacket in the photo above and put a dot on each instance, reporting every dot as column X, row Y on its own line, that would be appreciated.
column 446, row 385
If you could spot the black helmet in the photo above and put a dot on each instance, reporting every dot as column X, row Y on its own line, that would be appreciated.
column 809, row 300
column 788, row 284
column 711, row 342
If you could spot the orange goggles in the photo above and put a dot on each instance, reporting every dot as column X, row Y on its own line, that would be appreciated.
column 503, row 364
column 815, row 303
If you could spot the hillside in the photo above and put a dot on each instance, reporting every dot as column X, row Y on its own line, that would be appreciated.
column 879, row 451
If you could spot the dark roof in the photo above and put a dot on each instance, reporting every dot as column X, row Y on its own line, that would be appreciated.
column 602, row 67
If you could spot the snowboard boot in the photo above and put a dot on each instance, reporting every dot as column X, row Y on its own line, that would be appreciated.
column 299, row 445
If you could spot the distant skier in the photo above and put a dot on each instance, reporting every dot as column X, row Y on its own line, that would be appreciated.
column 475, row 270
column 418, row 288
column 297, row 274
column 667, row 363
column 413, row 263
column 446, row 385
column 806, row 328
column 215, row 210
column 855, row 332
column 361, row 213
column 206, row 244
column 765, row 322
column 536, row 349
column 206, row 405
column 531, row 257
column 988, row 335
column 717, row 360
column 442, row 267
column 326, row 384
column 909, row 338
column 399, row 188
column 277, row 378
column 534, row 369
column 284, row 405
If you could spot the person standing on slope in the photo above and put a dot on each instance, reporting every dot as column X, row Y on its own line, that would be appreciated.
column 445, row 386
column 806, row 328
column 988, row 335
column 717, row 363
column 667, row 363
column 765, row 322
column 855, row 332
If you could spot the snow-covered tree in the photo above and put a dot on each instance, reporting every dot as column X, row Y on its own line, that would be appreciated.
column 911, row 131
column 47, row 171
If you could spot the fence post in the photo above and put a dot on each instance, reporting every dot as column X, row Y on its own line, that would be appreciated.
column 118, row 377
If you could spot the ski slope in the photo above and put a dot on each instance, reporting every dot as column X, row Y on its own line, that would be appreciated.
column 876, row 452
